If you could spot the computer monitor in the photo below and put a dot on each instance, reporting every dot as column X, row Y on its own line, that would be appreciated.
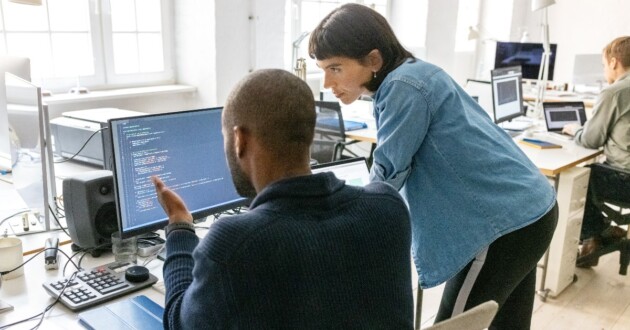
column 185, row 150
column 30, row 162
column 20, row 67
column 588, row 70
column 507, row 93
column 526, row 55
column 482, row 91
column 354, row 170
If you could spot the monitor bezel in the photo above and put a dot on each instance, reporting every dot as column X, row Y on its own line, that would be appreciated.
column 498, row 72
column 243, row 201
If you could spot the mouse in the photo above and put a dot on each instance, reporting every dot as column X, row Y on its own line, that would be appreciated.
column 136, row 274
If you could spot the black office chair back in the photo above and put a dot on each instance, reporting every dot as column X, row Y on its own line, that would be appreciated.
column 609, row 195
column 330, row 133
column 610, row 186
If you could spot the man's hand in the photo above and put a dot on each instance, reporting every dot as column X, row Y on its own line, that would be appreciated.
column 172, row 204
column 571, row 129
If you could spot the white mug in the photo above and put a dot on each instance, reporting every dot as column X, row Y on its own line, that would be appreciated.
column 11, row 257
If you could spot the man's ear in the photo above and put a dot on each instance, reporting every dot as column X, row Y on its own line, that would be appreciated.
column 241, row 138
column 375, row 60
column 612, row 63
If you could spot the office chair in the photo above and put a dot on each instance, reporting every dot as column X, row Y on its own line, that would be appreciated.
column 609, row 195
column 477, row 318
column 330, row 142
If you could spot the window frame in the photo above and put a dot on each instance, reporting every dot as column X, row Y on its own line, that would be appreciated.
column 101, row 37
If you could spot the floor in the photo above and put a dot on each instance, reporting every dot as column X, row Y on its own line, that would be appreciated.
column 600, row 299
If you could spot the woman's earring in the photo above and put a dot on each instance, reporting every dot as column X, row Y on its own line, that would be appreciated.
column 374, row 75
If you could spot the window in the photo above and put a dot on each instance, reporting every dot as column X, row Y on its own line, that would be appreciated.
column 308, row 13
column 89, row 43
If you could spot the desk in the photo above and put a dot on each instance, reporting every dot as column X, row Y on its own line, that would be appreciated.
column 29, row 298
column 365, row 135
column 556, row 96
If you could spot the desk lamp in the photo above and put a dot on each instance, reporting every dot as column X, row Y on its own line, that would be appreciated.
column 299, row 63
column 543, row 73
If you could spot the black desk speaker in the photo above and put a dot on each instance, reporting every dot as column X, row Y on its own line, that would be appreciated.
column 90, row 209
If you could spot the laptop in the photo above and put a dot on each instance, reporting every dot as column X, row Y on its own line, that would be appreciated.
column 354, row 170
column 559, row 114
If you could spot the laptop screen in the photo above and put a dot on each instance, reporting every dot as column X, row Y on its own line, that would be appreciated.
column 354, row 171
column 559, row 114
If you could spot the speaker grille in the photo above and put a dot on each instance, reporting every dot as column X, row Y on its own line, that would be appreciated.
column 106, row 221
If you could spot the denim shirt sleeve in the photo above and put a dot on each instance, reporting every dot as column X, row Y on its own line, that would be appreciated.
column 402, row 117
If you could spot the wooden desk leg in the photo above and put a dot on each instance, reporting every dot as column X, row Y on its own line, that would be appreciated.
column 418, row 321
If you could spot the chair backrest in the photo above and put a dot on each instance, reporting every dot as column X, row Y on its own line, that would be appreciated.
column 477, row 318
column 608, row 186
column 329, row 120
column 330, row 132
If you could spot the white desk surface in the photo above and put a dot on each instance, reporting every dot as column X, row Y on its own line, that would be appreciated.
column 29, row 298
column 553, row 161
column 550, row 161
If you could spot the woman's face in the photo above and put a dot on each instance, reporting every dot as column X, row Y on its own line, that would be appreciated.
column 346, row 77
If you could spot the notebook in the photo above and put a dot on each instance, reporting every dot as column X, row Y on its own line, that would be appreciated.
column 137, row 313
column 559, row 114
column 354, row 170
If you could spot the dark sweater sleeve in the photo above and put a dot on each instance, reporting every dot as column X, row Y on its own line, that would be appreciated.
column 196, row 296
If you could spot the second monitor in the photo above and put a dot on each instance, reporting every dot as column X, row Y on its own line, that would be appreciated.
column 507, row 94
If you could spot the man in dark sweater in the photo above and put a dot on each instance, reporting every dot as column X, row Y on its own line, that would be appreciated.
column 311, row 253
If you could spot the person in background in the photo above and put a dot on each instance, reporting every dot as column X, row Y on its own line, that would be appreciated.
column 609, row 127
column 311, row 252
column 482, row 214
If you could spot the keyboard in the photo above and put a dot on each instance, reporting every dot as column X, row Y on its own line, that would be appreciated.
column 95, row 286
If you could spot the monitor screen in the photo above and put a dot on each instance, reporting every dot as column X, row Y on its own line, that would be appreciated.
column 526, row 55
column 354, row 171
column 507, row 93
column 185, row 150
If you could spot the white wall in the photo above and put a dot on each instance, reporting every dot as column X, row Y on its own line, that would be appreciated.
column 440, row 40
column 580, row 27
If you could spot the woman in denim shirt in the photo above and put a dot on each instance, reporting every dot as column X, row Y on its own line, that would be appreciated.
column 482, row 213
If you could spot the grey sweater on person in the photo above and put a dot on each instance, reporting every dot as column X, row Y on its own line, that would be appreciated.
column 312, row 253
column 610, row 124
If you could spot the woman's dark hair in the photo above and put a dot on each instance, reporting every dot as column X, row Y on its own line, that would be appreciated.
column 353, row 31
